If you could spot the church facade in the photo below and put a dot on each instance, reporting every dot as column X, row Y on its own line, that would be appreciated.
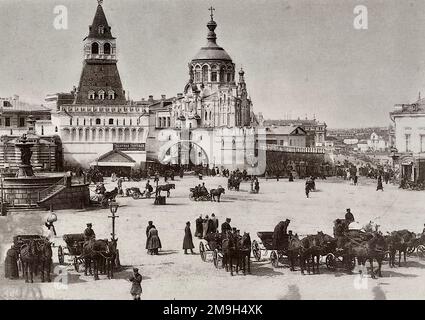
column 96, row 123
column 212, row 122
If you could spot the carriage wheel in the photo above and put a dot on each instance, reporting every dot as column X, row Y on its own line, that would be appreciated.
column 274, row 259
column 330, row 261
column 61, row 255
column 256, row 251
column 215, row 258
column 202, row 251
column 421, row 251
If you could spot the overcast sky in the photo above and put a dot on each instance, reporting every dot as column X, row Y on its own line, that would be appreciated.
column 300, row 57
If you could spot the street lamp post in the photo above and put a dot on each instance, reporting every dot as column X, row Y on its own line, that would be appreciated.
column 113, row 207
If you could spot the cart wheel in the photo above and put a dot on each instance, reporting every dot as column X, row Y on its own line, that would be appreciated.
column 61, row 255
column 421, row 251
column 330, row 261
column 215, row 258
column 202, row 251
column 274, row 259
column 256, row 251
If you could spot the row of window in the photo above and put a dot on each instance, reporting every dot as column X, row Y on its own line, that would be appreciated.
column 102, row 109
column 101, row 95
column 203, row 76
column 7, row 122
column 408, row 143
column 98, row 121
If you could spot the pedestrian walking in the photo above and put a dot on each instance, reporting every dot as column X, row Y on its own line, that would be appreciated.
column 153, row 243
column 136, row 286
column 199, row 227
column 11, row 263
column 379, row 186
column 187, row 240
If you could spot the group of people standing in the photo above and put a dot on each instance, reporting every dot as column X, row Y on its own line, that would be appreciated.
column 206, row 225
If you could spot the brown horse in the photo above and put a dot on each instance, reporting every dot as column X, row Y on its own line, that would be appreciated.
column 28, row 256
column 94, row 252
column 243, row 251
column 44, row 250
column 375, row 247
column 216, row 193
column 399, row 241
column 228, row 245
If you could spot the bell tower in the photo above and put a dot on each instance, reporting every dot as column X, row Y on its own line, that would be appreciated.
column 100, row 82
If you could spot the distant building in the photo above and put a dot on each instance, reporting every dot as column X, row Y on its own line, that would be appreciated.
column 315, row 130
column 288, row 136
column 409, row 128
column 14, row 115
column 377, row 143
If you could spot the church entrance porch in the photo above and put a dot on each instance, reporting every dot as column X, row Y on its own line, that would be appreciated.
column 114, row 161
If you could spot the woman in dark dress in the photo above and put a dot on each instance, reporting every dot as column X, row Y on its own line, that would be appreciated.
column 380, row 186
column 11, row 263
column 187, row 241
column 153, row 242
column 136, row 287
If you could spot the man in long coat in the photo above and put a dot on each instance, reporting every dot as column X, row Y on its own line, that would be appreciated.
column 198, row 231
column 214, row 224
column 205, row 225
column 136, row 287
column 187, row 240
column 225, row 226
column 279, row 234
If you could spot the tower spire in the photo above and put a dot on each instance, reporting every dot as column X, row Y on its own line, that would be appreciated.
column 211, row 9
column 211, row 25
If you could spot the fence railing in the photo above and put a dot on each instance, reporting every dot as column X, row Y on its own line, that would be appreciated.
column 43, row 193
column 276, row 147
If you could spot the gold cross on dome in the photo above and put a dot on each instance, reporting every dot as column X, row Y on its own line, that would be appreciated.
column 212, row 13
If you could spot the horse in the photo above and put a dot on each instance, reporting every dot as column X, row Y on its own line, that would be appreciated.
column 243, row 251
column 28, row 256
column 94, row 251
column 44, row 250
column 165, row 187
column 216, row 193
column 373, row 248
column 399, row 241
column 108, row 259
column 314, row 246
column 228, row 246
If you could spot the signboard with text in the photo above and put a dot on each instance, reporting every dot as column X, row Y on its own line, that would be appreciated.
column 129, row 146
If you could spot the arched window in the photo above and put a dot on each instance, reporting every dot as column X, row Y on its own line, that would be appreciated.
column 56, row 129
column 91, row 95
column 70, row 122
column 97, row 121
column 198, row 74
column 111, row 95
column 95, row 48
column 210, row 115
column 101, row 94
column 206, row 115
column 111, row 121
column 107, row 48
column 222, row 74
column 205, row 74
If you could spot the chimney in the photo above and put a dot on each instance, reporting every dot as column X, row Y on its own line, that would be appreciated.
column 162, row 96
column 150, row 99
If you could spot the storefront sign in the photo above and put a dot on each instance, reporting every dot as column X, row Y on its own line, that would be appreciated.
column 129, row 146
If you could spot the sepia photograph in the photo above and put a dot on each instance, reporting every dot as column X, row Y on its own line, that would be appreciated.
column 212, row 151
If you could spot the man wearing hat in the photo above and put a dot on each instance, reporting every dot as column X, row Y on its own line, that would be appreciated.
column 89, row 233
column 136, row 287
column 225, row 226
column 349, row 216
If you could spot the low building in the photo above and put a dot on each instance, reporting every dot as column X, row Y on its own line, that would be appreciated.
column 14, row 115
column 409, row 133
column 288, row 136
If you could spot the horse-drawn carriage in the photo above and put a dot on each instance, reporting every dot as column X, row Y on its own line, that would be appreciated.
column 196, row 195
column 103, row 200
column 35, row 254
column 277, row 253
column 100, row 254
column 227, row 249
column 234, row 182
column 74, row 249
column 135, row 193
